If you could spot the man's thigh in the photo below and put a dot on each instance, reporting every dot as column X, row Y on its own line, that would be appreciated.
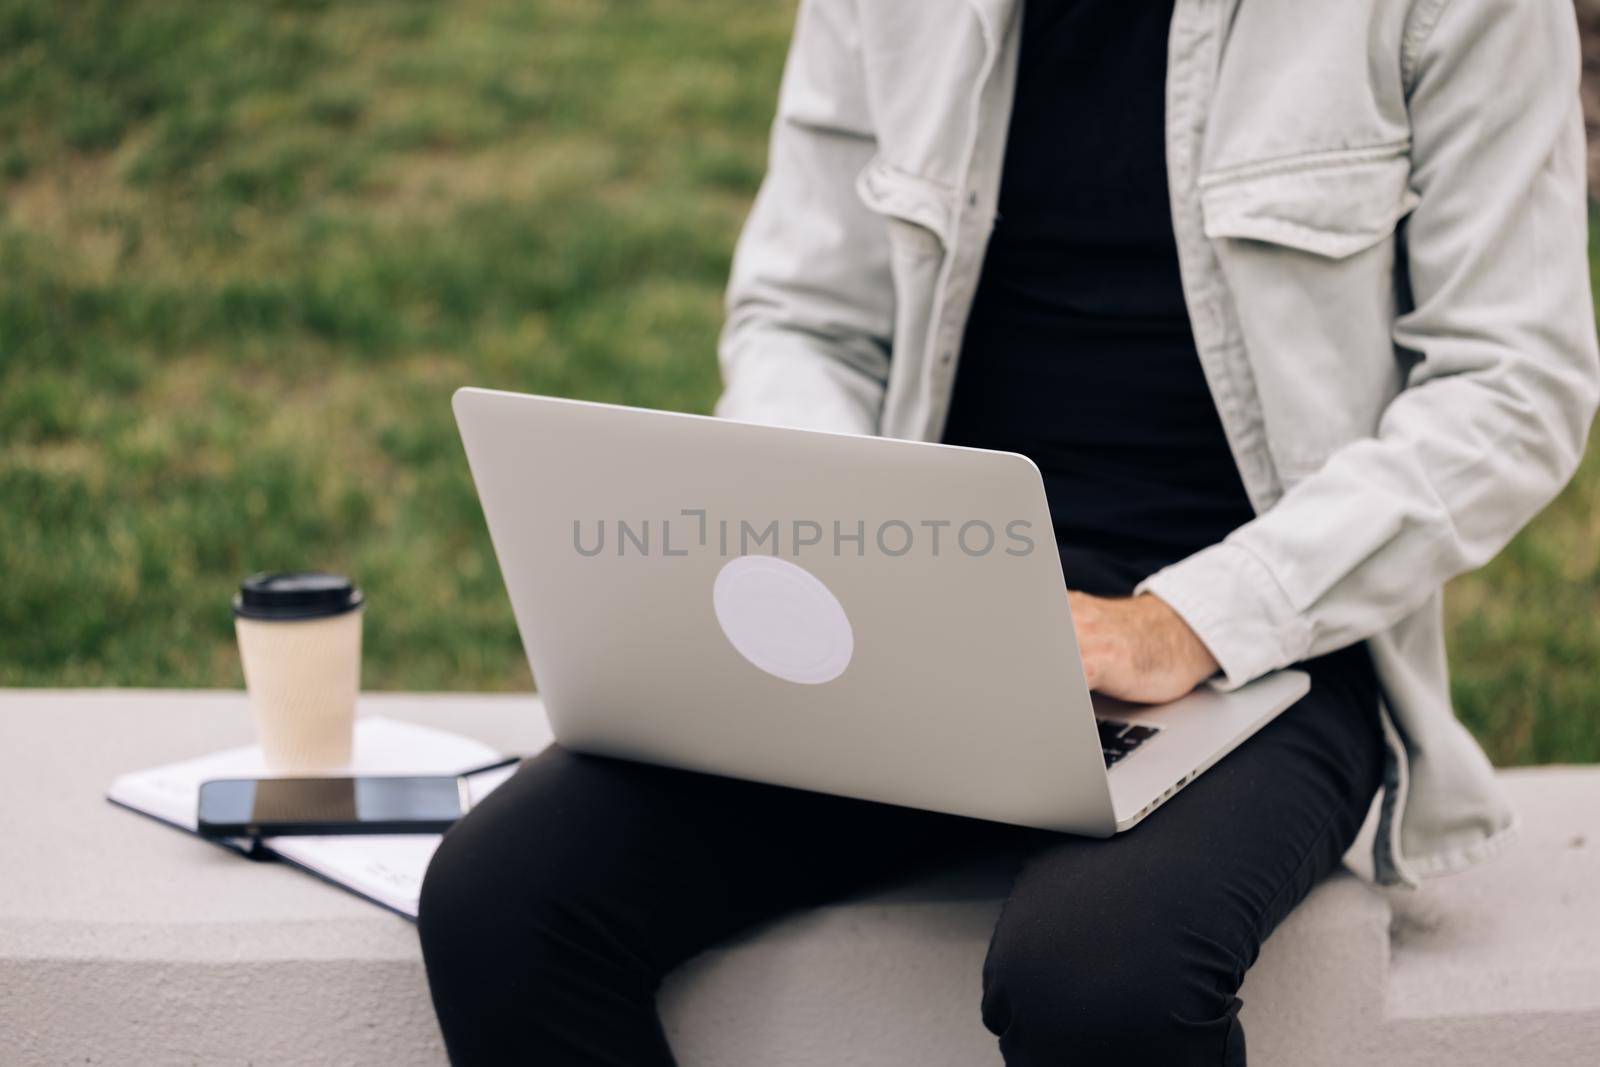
column 670, row 861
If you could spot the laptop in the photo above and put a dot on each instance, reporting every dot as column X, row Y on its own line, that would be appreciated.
column 860, row 616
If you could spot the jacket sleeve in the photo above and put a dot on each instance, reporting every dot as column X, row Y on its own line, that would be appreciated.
column 1496, row 408
column 811, row 301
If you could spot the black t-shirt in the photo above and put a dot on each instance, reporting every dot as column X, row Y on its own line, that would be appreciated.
column 1078, row 352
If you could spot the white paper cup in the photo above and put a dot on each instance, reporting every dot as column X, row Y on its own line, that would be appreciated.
column 300, row 643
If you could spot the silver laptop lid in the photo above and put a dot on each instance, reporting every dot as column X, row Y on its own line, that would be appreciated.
column 868, row 617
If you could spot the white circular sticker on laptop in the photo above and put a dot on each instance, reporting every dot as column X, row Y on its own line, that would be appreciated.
column 781, row 618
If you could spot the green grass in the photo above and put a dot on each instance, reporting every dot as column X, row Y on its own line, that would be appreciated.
column 248, row 250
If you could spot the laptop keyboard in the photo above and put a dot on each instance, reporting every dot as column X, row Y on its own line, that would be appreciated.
column 1117, row 739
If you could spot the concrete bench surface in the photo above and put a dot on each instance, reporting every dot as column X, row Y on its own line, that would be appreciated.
column 123, row 942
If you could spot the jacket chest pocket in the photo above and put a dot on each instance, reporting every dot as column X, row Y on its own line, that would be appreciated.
column 1331, row 204
column 1308, row 248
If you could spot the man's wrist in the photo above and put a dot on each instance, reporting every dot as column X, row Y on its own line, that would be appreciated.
column 1234, row 605
column 1187, row 653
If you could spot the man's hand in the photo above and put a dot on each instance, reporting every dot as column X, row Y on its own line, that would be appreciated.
column 1138, row 648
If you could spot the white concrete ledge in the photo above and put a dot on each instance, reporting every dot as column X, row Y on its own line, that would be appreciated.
column 124, row 942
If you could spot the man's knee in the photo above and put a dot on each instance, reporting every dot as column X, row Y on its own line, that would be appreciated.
column 520, row 878
column 487, row 890
column 459, row 912
column 1058, row 1011
column 1059, row 999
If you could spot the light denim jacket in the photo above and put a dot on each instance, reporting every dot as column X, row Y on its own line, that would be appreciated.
column 1381, row 223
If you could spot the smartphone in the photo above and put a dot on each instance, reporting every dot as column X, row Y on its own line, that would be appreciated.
column 379, row 804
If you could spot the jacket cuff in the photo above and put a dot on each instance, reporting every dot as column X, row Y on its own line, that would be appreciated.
column 1237, row 609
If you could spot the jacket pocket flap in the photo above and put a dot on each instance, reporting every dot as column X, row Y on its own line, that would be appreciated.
column 1332, row 206
column 895, row 193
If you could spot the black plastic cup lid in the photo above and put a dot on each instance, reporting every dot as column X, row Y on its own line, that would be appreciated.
column 285, row 595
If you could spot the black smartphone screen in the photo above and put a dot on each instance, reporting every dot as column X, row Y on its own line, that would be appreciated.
column 275, row 806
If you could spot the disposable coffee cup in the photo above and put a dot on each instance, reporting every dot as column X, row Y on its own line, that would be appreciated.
column 300, row 643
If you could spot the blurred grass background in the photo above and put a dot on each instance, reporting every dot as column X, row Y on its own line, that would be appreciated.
column 248, row 250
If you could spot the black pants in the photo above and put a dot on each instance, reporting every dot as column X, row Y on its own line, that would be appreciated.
column 551, row 913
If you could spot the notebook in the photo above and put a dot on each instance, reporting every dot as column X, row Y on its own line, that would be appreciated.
column 386, row 869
